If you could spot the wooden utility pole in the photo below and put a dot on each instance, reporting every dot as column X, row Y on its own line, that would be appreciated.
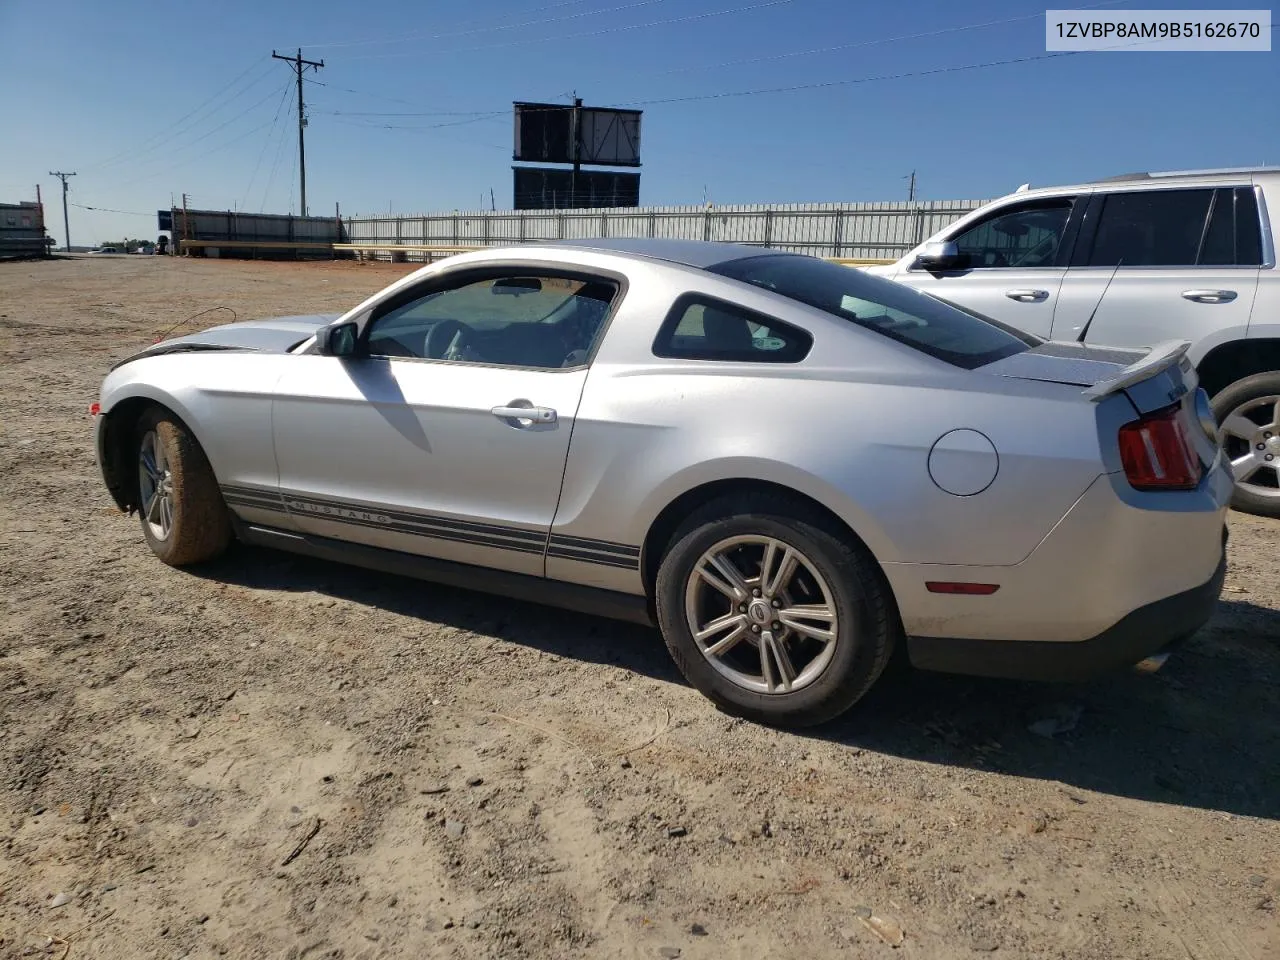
column 299, row 65
column 66, row 224
column 911, row 189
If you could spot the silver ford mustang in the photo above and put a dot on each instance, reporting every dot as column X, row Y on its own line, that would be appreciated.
column 790, row 467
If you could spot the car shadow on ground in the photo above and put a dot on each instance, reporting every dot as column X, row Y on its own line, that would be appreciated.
column 1203, row 732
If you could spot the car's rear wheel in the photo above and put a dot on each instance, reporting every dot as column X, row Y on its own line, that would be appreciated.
column 771, row 616
column 1248, row 412
column 184, row 518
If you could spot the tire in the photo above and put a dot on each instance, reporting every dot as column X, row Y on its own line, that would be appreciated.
column 1248, row 400
column 843, row 575
column 198, row 528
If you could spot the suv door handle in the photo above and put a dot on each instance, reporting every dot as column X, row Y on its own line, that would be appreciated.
column 1209, row 296
column 524, row 416
column 1027, row 296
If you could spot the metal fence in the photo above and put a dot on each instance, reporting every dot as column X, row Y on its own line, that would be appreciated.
column 855, row 230
column 255, row 233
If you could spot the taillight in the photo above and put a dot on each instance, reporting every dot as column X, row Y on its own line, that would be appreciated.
column 1156, row 454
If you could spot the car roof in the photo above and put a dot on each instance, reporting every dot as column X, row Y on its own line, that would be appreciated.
column 702, row 254
column 1155, row 179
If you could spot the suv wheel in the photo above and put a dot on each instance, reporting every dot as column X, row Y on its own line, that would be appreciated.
column 1248, row 413
column 769, row 615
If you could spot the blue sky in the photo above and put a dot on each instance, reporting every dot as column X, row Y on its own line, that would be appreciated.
column 108, row 90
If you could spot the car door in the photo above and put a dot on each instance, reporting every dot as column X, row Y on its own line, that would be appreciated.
column 1162, row 264
column 1012, row 263
column 446, row 434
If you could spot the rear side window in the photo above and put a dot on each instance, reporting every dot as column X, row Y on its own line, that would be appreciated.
column 1233, row 236
column 1152, row 228
column 704, row 328
column 917, row 320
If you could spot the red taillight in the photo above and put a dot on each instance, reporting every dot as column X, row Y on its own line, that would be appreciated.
column 1156, row 454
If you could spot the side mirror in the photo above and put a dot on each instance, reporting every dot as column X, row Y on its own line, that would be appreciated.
column 339, row 341
column 940, row 255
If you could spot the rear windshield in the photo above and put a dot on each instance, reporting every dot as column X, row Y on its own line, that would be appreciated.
column 959, row 337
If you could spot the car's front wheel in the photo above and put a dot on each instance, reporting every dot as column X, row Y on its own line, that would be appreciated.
column 184, row 518
column 771, row 616
column 1248, row 414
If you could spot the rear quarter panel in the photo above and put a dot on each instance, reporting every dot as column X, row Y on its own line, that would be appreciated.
column 851, row 427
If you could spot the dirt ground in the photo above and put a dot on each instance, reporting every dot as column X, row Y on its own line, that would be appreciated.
column 494, row 779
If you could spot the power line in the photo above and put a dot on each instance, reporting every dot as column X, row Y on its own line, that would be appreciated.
column 275, row 165
column 873, row 43
column 595, row 33
column 198, row 156
column 508, row 26
column 266, row 144
column 128, row 213
column 429, row 113
column 822, row 85
column 177, row 127
column 356, row 43
column 165, row 158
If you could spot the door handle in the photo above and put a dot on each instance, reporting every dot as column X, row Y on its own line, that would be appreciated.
column 1209, row 296
column 524, row 415
column 1027, row 296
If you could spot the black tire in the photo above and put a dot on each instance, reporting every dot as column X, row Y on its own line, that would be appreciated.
column 866, row 618
column 1224, row 403
column 200, row 528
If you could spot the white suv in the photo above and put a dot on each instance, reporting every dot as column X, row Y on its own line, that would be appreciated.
column 1188, row 255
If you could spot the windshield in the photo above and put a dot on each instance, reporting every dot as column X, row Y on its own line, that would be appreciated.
column 959, row 337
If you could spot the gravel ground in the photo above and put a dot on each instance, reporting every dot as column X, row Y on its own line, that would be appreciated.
column 283, row 758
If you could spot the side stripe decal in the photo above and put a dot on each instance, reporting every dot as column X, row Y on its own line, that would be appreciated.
column 560, row 546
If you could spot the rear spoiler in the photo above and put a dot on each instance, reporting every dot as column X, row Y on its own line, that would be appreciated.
column 1161, row 357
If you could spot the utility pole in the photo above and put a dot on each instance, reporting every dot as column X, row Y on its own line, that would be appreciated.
column 577, row 150
column 299, row 65
column 911, row 189
column 66, row 224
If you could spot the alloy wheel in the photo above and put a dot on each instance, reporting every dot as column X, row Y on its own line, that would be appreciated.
column 155, row 486
column 1251, row 439
column 761, row 614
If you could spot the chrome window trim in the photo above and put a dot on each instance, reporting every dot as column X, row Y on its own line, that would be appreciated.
column 1264, row 221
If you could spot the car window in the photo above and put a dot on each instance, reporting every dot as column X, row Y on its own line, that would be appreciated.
column 1151, row 228
column 1234, row 236
column 922, row 322
column 515, row 320
column 704, row 328
column 1028, row 236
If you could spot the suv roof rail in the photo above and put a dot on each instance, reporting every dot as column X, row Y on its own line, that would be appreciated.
column 1124, row 176
column 1207, row 172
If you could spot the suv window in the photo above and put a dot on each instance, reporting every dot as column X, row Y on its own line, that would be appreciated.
column 703, row 328
column 1234, row 235
column 908, row 316
column 517, row 320
column 1027, row 236
column 1152, row 228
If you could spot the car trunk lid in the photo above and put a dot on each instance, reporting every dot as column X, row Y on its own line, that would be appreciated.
column 1152, row 380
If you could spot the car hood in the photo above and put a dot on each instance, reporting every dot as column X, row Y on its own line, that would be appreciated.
column 1071, row 363
column 272, row 335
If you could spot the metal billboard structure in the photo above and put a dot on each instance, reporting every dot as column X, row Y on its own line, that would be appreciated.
column 551, row 188
column 553, row 133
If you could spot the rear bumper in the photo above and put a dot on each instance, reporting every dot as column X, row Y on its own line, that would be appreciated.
column 1151, row 629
